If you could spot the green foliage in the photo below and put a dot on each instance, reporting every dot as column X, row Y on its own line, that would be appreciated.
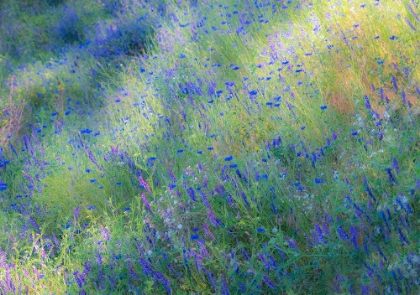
column 200, row 149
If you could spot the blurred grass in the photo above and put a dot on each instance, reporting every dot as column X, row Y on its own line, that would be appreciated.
column 208, row 86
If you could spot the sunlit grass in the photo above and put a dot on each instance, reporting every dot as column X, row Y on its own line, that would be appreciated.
column 243, row 150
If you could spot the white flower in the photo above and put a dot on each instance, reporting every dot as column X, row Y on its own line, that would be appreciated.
column 179, row 226
column 274, row 230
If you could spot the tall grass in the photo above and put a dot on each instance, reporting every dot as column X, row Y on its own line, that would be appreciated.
column 249, row 147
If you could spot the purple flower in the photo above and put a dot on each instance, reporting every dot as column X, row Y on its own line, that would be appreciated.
column 245, row 199
column 354, row 233
column 208, row 232
column 191, row 193
column 34, row 224
column 320, row 233
column 105, row 233
column 269, row 283
column 146, row 203
column 93, row 159
column 404, row 97
column 114, row 150
column 144, row 184
column 410, row 24
column 212, row 218
column 368, row 189
column 224, row 288
column 342, row 234
column 98, row 258
column 395, row 165
column 292, row 243
column 413, row 12
column 172, row 175
column 76, row 213
column 205, row 202
column 80, row 278
column 367, row 103
column 163, row 280
column 394, row 82
column 402, row 237
column 391, row 177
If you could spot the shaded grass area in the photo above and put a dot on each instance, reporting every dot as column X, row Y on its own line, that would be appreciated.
column 251, row 149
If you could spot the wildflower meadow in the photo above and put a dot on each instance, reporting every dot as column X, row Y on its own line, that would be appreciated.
column 209, row 147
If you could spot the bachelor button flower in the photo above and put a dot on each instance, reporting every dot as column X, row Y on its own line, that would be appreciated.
column 229, row 158
column 3, row 186
column 253, row 92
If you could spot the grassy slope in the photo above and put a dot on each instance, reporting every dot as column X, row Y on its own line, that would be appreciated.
column 276, row 145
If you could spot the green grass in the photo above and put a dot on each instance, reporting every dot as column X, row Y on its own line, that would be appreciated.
column 280, row 148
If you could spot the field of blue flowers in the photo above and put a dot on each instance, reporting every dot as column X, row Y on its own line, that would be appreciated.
column 209, row 147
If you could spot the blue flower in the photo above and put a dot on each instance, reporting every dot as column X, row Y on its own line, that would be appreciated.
column 260, row 230
column 229, row 158
column 85, row 131
column 319, row 180
column 324, row 107
column 3, row 186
